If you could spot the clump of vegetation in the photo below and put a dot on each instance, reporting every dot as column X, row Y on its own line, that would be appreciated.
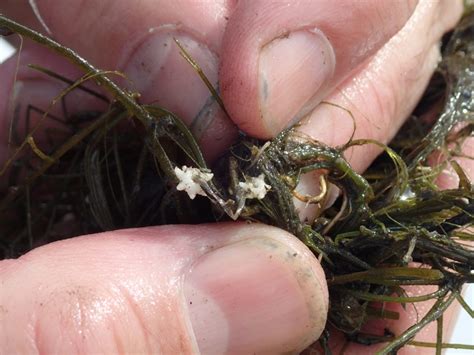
column 385, row 221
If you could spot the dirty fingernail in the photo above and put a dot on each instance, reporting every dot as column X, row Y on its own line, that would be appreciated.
column 294, row 71
column 255, row 296
column 162, row 76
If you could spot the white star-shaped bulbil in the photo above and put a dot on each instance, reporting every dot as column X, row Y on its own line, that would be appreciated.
column 255, row 187
column 190, row 179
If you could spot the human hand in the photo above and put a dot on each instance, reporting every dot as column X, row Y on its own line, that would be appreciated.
column 380, row 90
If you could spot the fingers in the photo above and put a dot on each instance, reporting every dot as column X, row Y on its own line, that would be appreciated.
column 280, row 59
column 227, row 288
column 384, row 91
column 139, row 41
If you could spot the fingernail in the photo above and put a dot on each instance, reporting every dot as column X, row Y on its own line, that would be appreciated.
column 310, row 185
column 255, row 296
column 293, row 73
column 162, row 76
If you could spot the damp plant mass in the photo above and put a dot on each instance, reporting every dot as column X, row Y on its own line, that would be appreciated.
column 390, row 227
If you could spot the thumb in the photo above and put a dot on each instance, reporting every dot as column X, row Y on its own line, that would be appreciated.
column 221, row 288
column 279, row 59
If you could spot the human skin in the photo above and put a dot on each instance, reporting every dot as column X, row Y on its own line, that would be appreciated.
column 232, row 288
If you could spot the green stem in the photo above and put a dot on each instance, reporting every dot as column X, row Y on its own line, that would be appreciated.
column 439, row 334
column 435, row 312
column 367, row 296
column 392, row 276
column 443, row 345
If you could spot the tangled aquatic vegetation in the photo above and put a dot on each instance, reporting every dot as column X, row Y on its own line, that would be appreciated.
column 385, row 221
